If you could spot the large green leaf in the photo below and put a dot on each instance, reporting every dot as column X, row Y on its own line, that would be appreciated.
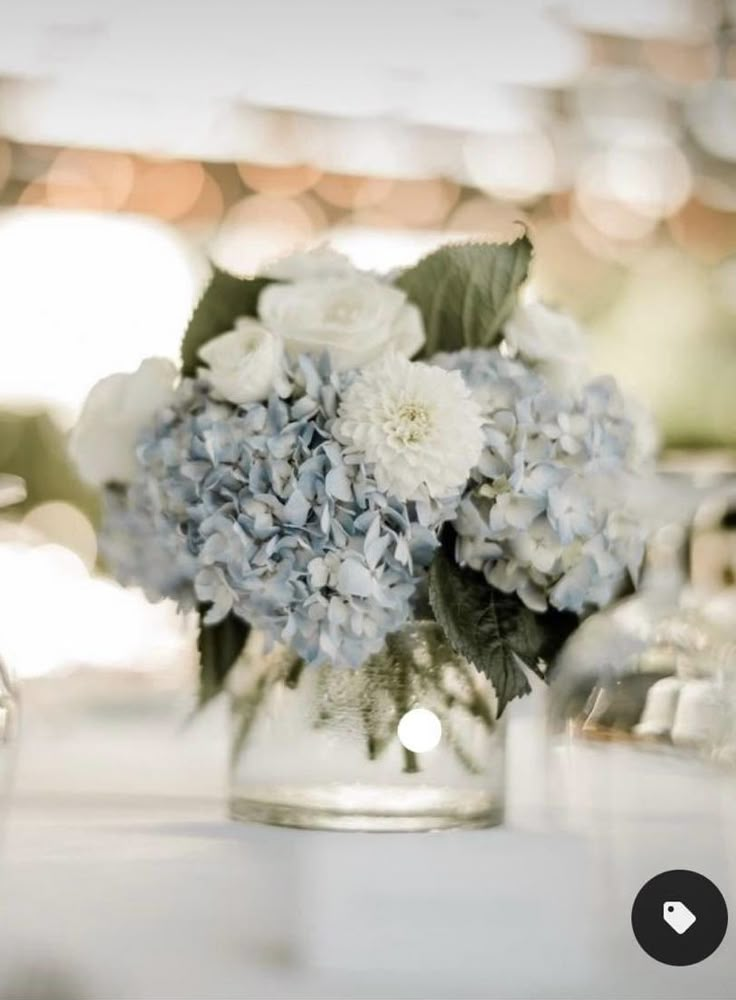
column 219, row 647
column 466, row 292
column 225, row 299
column 495, row 631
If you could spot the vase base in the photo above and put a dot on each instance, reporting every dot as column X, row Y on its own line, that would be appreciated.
column 347, row 807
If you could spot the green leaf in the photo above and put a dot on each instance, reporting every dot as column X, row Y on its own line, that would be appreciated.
column 495, row 631
column 466, row 292
column 225, row 299
column 219, row 647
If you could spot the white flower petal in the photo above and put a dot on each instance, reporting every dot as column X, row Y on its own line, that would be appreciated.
column 244, row 364
column 353, row 316
column 416, row 424
column 539, row 333
column 318, row 262
column 117, row 409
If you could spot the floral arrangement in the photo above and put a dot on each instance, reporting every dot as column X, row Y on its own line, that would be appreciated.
column 340, row 452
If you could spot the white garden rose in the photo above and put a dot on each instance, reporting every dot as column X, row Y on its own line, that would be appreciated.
column 541, row 334
column 244, row 364
column 354, row 317
column 115, row 412
column 319, row 262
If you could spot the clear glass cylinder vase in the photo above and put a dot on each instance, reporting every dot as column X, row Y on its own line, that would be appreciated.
column 410, row 741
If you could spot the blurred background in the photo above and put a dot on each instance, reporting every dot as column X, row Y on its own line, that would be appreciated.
column 139, row 139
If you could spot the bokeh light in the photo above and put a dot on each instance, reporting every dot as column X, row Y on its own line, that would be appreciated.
column 167, row 189
column 259, row 228
column 623, row 104
column 680, row 62
column 208, row 209
column 704, row 231
column 420, row 202
column 517, row 166
column 711, row 113
column 63, row 524
column 383, row 250
column 89, row 179
column 84, row 295
column 609, row 228
column 493, row 220
column 345, row 191
column 87, row 621
column 283, row 182
column 648, row 181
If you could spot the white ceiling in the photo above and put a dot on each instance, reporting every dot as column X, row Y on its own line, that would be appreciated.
column 148, row 75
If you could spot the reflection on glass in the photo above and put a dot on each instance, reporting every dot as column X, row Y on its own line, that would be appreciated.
column 659, row 669
column 410, row 741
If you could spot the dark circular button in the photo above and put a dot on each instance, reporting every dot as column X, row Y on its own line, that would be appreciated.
column 679, row 917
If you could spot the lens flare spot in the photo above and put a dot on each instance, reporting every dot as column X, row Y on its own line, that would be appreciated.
column 419, row 730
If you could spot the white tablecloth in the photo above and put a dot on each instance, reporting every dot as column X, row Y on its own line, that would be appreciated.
column 121, row 878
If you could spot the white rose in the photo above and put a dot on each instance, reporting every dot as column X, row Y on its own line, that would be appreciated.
column 355, row 317
column 538, row 333
column 319, row 262
column 115, row 412
column 243, row 364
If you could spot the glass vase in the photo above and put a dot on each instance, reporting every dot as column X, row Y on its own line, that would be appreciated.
column 410, row 741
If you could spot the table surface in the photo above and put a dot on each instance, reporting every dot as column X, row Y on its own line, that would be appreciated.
column 121, row 878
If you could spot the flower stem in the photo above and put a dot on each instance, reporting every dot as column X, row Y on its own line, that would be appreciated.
column 293, row 673
column 402, row 656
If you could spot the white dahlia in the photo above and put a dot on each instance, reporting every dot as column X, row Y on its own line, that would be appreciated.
column 418, row 425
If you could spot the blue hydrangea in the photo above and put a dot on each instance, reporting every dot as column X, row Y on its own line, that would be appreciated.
column 546, row 513
column 144, row 549
column 283, row 530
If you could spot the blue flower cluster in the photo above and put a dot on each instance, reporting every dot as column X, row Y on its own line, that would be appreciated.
column 279, row 526
column 144, row 549
column 546, row 511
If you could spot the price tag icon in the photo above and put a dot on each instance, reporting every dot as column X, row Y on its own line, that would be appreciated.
column 677, row 915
